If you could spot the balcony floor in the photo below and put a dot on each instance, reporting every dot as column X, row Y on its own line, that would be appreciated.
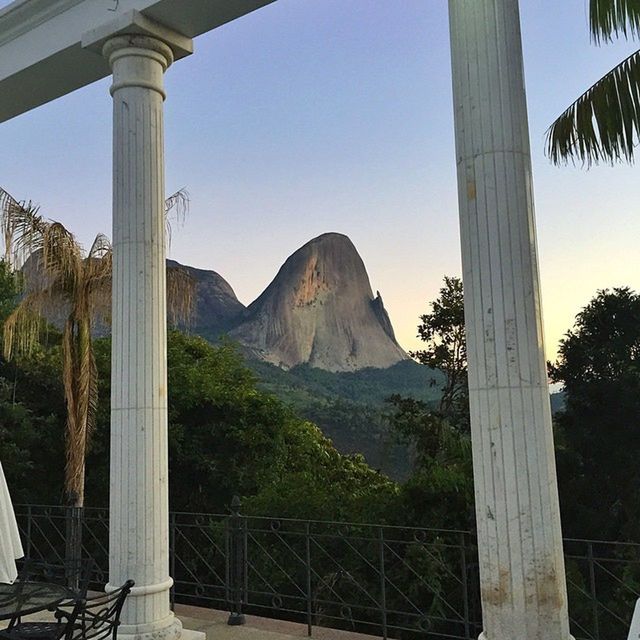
column 214, row 624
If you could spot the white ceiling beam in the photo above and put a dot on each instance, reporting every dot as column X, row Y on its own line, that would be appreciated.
column 41, row 53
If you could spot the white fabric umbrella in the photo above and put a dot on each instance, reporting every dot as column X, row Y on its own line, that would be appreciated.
column 10, row 546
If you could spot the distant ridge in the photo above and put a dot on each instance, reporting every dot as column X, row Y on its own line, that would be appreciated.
column 217, row 308
column 320, row 310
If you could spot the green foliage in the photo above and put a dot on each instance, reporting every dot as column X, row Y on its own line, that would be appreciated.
column 225, row 436
column 32, row 415
column 228, row 437
column 31, row 411
column 367, row 387
column 440, row 490
column 9, row 290
column 349, row 407
column 317, row 482
column 603, row 124
column 442, row 330
column 17, row 437
column 609, row 18
column 597, row 433
column 358, row 428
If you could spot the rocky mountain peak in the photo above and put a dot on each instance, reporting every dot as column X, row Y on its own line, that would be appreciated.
column 320, row 310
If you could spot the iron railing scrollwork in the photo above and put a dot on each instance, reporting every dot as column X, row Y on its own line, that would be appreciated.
column 395, row 582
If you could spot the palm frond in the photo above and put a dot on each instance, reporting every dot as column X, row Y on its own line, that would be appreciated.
column 22, row 327
column 18, row 219
column 181, row 296
column 62, row 257
column 98, row 272
column 8, row 207
column 101, row 246
column 98, row 265
column 609, row 18
column 603, row 124
column 178, row 203
column 176, row 207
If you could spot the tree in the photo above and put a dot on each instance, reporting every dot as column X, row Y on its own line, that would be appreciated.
column 446, row 348
column 603, row 124
column 9, row 291
column 598, row 432
column 61, row 281
column 227, row 437
column 440, row 438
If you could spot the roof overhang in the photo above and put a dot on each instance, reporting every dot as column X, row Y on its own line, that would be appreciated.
column 41, row 53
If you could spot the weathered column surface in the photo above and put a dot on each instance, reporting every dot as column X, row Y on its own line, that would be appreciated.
column 139, row 518
column 519, row 537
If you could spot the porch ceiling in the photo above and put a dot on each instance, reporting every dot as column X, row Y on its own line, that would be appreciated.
column 41, row 57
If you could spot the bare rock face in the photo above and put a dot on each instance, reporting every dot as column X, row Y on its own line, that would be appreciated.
column 217, row 308
column 320, row 310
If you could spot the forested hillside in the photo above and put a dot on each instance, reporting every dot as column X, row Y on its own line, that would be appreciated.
column 351, row 408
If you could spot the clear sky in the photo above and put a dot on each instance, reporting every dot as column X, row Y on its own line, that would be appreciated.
column 310, row 116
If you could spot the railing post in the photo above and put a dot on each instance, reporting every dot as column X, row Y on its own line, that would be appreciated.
column 172, row 559
column 227, row 562
column 29, row 518
column 308, row 568
column 383, row 583
column 465, row 586
column 594, row 595
column 245, row 559
column 237, row 562
column 73, row 543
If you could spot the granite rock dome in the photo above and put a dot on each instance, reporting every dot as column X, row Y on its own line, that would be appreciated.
column 320, row 310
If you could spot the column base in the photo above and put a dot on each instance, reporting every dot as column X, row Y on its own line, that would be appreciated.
column 170, row 628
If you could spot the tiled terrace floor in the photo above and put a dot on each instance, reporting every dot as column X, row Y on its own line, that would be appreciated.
column 214, row 624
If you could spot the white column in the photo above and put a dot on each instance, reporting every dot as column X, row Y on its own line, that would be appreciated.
column 139, row 510
column 518, row 520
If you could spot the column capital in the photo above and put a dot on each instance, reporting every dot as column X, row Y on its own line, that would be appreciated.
column 137, row 61
column 137, row 45
column 143, row 33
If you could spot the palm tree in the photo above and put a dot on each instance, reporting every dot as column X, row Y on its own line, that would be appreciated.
column 603, row 124
column 59, row 279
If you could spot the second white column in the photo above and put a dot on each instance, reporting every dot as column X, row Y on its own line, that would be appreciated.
column 518, row 519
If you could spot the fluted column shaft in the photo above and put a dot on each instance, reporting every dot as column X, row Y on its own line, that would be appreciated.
column 139, row 542
column 519, row 536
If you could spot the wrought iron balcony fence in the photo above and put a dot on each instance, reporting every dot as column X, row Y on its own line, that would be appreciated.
column 395, row 582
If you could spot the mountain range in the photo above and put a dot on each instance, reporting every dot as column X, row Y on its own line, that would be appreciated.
column 319, row 310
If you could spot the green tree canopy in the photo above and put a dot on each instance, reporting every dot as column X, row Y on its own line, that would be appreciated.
column 598, row 437
column 59, row 279
column 440, row 488
column 445, row 349
column 227, row 437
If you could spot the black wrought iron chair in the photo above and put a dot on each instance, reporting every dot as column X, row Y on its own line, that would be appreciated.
column 99, row 617
column 76, row 575
column 61, row 628
column 96, row 618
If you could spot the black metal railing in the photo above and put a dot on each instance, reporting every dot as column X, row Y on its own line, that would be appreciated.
column 397, row 582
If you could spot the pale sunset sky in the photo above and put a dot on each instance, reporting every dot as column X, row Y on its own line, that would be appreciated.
column 310, row 116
